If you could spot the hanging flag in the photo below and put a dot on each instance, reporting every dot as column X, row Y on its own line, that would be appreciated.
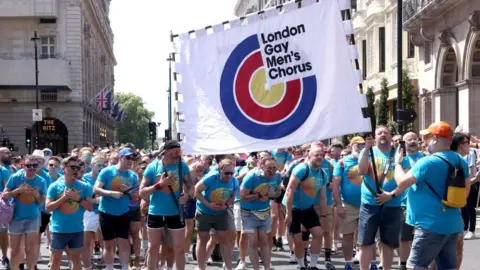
column 120, row 116
column 115, row 109
column 101, row 99
column 109, row 97
column 270, row 81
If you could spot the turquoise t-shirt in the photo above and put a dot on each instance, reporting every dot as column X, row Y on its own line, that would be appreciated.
column 5, row 173
column 350, row 186
column 326, row 168
column 112, row 179
column 282, row 158
column 305, row 195
column 389, row 184
column 407, row 163
column 87, row 178
column 255, row 182
column 68, row 218
column 25, row 205
column 216, row 191
column 161, row 202
column 424, row 208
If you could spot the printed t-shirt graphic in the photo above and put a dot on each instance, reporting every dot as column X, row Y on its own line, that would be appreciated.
column 305, row 195
column 255, row 182
column 68, row 218
column 113, row 179
column 217, row 191
column 25, row 205
column 389, row 184
column 350, row 186
column 161, row 201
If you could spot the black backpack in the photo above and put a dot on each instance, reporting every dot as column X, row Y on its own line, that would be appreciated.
column 286, row 178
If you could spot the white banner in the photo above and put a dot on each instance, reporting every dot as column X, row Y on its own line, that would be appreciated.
column 280, row 81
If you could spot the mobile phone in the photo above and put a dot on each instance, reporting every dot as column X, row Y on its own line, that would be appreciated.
column 404, row 149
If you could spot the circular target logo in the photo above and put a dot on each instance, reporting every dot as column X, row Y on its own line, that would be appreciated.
column 256, row 111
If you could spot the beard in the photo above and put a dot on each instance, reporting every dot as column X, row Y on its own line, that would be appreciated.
column 6, row 161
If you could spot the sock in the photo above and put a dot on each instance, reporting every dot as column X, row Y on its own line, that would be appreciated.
column 124, row 266
column 313, row 260
column 109, row 267
column 348, row 262
column 374, row 262
column 301, row 263
column 328, row 254
column 403, row 263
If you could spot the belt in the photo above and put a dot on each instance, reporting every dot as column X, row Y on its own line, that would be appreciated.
column 250, row 211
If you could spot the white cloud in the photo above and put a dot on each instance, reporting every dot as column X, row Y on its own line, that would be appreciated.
column 142, row 42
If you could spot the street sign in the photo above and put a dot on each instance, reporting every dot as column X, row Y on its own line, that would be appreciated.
column 406, row 116
column 37, row 115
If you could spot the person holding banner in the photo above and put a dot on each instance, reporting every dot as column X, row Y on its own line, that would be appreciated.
column 113, row 184
column 258, row 188
column 307, row 180
column 378, row 172
column 166, row 181
column 215, row 193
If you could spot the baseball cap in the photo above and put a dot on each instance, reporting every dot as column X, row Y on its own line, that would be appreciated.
column 356, row 140
column 126, row 152
column 47, row 152
column 171, row 144
column 439, row 129
column 38, row 153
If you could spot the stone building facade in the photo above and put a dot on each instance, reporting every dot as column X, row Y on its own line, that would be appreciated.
column 75, row 62
column 448, row 36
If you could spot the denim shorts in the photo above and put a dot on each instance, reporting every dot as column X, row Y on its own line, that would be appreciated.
column 428, row 246
column 374, row 217
column 251, row 223
column 24, row 226
column 74, row 241
column 189, row 209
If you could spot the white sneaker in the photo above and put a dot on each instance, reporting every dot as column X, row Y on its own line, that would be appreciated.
column 210, row 261
column 187, row 258
column 356, row 260
column 469, row 235
column 241, row 266
column 293, row 258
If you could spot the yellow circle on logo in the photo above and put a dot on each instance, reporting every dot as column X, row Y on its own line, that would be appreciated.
column 265, row 97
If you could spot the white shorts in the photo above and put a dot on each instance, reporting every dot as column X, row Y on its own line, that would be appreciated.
column 237, row 213
column 91, row 221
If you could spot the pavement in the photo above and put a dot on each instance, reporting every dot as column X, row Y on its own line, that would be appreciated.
column 280, row 259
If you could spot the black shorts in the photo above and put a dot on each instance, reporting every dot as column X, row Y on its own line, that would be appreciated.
column 406, row 232
column 279, row 199
column 114, row 226
column 307, row 217
column 135, row 215
column 45, row 218
column 158, row 222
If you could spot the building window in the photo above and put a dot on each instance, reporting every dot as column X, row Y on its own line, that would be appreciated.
column 381, row 49
column 427, row 52
column 364, row 58
column 411, row 50
column 353, row 4
column 47, row 47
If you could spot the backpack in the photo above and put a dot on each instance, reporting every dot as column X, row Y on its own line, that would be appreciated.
column 6, row 211
column 455, row 193
column 286, row 178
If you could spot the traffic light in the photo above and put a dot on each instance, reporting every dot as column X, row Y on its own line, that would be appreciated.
column 167, row 134
column 152, row 130
column 4, row 142
column 28, row 137
column 11, row 147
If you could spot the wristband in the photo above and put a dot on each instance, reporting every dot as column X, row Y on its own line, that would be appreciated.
column 80, row 201
column 157, row 186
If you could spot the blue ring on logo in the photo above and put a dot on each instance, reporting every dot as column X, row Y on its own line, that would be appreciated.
column 235, row 115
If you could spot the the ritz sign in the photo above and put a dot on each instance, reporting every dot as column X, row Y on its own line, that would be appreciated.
column 103, row 132
column 49, row 125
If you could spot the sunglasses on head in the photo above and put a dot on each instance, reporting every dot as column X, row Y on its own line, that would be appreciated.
column 75, row 167
column 30, row 166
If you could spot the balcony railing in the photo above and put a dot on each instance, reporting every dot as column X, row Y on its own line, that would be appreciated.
column 412, row 7
column 29, row 56
column 49, row 96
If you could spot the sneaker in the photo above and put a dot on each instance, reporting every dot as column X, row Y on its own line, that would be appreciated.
column 348, row 267
column 302, row 268
column 469, row 235
column 380, row 266
column 292, row 259
column 187, row 258
column 329, row 265
column 241, row 266
column 6, row 262
column 356, row 259
column 275, row 248
column 21, row 266
column 280, row 245
column 96, row 249
column 373, row 267
column 209, row 261
column 313, row 268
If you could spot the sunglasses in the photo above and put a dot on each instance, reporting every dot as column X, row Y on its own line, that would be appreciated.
column 131, row 157
column 30, row 166
column 360, row 145
column 228, row 173
column 51, row 165
column 75, row 167
column 143, row 168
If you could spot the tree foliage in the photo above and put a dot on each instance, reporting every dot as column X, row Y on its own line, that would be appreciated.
column 383, row 106
column 407, row 95
column 371, row 104
column 134, row 127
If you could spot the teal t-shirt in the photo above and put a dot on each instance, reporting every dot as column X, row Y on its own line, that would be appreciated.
column 305, row 195
column 407, row 163
column 161, row 201
column 87, row 178
column 389, row 184
column 68, row 218
column 26, row 206
column 350, row 186
column 112, row 179
column 255, row 182
column 216, row 191
column 424, row 208
column 281, row 158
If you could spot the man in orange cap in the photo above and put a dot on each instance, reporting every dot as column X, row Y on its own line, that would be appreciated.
column 436, row 226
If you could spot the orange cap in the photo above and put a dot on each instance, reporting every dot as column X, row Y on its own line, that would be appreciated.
column 439, row 129
column 356, row 140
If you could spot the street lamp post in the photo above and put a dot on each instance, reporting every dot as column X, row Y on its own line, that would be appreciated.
column 170, row 59
column 35, row 40
column 399, row 67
